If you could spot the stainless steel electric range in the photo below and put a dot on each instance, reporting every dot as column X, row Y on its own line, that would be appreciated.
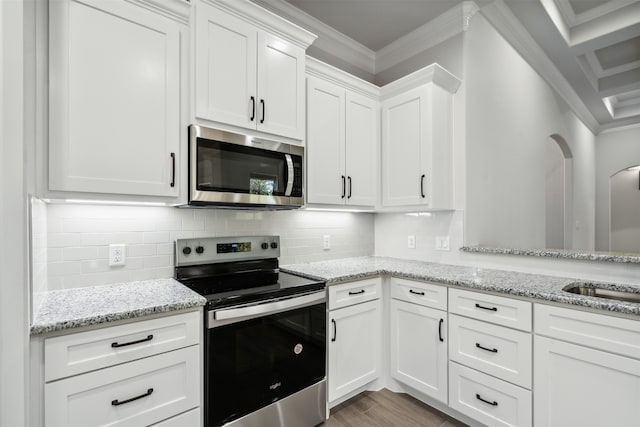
column 264, row 333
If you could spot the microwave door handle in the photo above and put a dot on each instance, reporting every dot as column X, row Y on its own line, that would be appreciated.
column 287, row 191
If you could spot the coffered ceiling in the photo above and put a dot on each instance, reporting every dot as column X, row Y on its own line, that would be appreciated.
column 588, row 50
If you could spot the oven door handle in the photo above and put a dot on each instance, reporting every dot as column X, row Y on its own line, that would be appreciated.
column 231, row 315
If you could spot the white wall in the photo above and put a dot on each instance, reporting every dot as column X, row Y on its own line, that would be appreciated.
column 14, row 290
column 79, row 238
column 625, row 211
column 510, row 113
column 615, row 150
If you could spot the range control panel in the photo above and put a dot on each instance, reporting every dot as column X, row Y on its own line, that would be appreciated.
column 208, row 250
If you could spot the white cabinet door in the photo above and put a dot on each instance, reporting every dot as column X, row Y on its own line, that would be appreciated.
column 403, row 131
column 361, row 150
column 114, row 100
column 575, row 386
column 326, row 181
column 419, row 348
column 354, row 347
column 226, row 67
column 281, row 105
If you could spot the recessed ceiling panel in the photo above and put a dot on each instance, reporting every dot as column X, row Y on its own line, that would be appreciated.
column 375, row 23
column 619, row 54
column 580, row 6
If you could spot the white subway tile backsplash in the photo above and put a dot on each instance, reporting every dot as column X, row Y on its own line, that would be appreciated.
column 79, row 236
column 79, row 253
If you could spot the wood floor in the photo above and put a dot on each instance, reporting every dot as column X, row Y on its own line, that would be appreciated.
column 387, row 409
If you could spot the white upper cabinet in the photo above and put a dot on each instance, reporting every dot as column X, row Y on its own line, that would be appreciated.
column 115, row 96
column 417, row 131
column 342, row 138
column 245, row 75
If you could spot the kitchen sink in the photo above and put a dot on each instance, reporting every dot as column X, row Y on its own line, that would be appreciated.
column 603, row 291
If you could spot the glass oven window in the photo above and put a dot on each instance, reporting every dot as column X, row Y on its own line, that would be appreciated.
column 254, row 363
column 240, row 169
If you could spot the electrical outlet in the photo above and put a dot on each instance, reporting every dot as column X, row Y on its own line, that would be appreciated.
column 411, row 242
column 117, row 254
column 326, row 242
column 442, row 243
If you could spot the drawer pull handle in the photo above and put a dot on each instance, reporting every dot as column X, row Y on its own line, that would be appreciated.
column 361, row 291
column 335, row 330
column 494, row 403
column 492, row 350
column 116, row 345
column 440, row 330
column 416, row 292
column 486, row 308
column 116, row 402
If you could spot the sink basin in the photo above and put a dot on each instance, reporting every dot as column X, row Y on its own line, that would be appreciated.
column 601, row 291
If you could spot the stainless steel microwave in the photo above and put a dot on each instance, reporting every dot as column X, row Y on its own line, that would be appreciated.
column 238, row 171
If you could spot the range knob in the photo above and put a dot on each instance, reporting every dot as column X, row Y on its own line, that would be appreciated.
column 274, row 245
column 186, row 250
column 199, row 249
column 264, row 246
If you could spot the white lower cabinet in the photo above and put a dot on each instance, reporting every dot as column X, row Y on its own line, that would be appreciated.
column 143, row 373
column 580, row 386
column 487, row 399
column 354, row 342
column 136, row 393
column 418, row 337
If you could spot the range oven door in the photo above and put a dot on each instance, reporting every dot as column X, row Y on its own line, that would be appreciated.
column 233, row 169
column 254, row 362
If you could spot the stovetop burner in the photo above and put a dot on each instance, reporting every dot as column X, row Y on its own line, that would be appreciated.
column 231, row 271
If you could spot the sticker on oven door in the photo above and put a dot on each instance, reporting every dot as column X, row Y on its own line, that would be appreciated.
column 297, row 349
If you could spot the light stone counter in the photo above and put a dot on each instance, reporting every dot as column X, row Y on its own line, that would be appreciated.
column 73, row 308
column 537, row 287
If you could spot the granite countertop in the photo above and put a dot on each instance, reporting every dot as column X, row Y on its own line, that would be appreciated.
column 621, row 257
column 538, row 287
column 72, row 308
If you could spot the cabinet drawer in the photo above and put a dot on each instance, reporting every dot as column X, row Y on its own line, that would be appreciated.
column 502, row 311
column 136, row 393
column 492, row 349
column 609, row 333
column 74, row 354
column 487, row 399
column 434, row 296
column 354, row 292
column 188, row 419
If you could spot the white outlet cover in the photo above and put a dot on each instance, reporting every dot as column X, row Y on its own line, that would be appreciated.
column 326, row 242
column 411, row 242
column 117, row 254
column 442, row 243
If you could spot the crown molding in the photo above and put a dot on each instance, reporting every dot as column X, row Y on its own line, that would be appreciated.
column 329, row 39
column 178, row 10
column 267, row 20
column 611, row 128
column 425, row 37
column 469, row 9
column 503, row 20
column 433, row 73
column 317, row 68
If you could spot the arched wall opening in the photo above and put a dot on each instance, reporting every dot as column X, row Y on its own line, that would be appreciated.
column 559, row 194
